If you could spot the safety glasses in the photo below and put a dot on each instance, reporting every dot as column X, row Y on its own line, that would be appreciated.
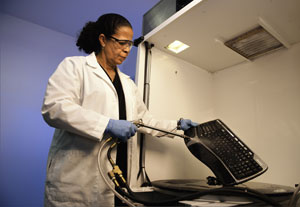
column 123, row 43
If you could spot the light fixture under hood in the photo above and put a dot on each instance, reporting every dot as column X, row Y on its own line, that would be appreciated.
column 254, row 43
column 177, row 46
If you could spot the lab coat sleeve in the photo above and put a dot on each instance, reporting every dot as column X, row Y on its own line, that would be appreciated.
column 61, row 107
column 148, row 119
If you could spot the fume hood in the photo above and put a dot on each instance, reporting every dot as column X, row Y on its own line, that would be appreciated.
column 242, row 65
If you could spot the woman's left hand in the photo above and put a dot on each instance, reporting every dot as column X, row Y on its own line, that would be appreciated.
column 185, row 124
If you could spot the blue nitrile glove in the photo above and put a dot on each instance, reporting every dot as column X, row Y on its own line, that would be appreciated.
column 121, row 129
column 185, row 124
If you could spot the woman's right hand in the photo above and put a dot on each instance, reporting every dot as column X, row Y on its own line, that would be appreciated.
column 121, row 129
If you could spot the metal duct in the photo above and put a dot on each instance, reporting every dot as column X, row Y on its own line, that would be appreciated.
column 254, row 43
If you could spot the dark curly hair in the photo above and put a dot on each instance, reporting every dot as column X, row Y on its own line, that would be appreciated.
column 106, row 24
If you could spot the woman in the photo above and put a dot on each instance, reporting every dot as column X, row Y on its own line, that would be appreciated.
column 88, row 99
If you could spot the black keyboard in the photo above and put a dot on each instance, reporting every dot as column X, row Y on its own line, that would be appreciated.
column 224, row 153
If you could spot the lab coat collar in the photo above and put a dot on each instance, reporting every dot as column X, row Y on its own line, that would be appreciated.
column 92, row 61
column 122, row 74
column 97, row 69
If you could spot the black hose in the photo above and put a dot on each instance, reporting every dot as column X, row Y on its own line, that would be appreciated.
column 220, row 191
column 238, row 191
column 113, row 145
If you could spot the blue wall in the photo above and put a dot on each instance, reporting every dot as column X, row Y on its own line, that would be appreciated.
column 29, row 54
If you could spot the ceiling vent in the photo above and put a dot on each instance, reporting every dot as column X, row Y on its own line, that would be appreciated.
column 254, row 43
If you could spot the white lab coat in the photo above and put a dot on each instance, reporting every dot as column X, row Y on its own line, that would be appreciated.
column 79, row 101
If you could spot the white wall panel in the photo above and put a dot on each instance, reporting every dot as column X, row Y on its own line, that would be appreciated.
column 178, row 89
column 260, row 101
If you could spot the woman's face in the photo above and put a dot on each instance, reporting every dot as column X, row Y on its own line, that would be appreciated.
column 118, row 45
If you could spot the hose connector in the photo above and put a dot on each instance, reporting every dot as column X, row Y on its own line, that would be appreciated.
column 138, row 123
column 112, row 176
column 118, row 171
